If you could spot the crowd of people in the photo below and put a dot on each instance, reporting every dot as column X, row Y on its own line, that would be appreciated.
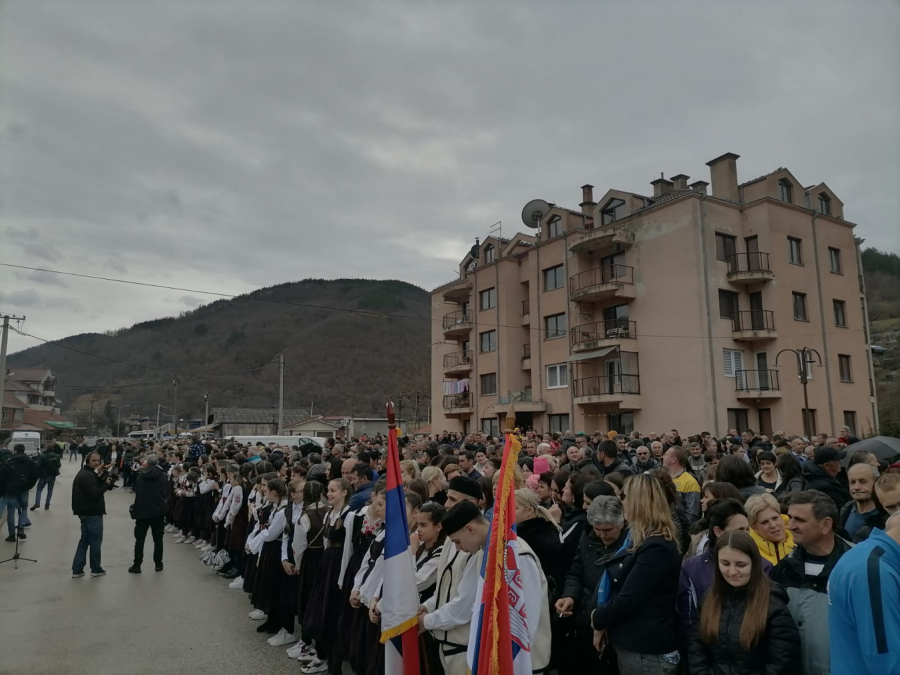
column 639, row 554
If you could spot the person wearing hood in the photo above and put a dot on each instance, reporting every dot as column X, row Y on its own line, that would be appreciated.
column 148, row 512
column 744, row 624
column 864, row 605
column 821, row 474
column 17, row 476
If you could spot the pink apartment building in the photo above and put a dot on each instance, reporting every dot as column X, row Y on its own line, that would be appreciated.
column 664, row 311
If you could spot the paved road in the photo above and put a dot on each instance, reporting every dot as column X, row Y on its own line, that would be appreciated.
column 183, row 619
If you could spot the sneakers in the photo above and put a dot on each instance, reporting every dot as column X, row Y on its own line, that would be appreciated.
column 99, row 573
column 77, row 575
column 179, row 538
column 237, row 583
column 295, row 650
column 316, row 666
column 134, row 569
column 307, row 654
column 169, row 528
column 159, row 567
column 199, row 544
column 189, row 540
column 281, row 638
column 258, row 615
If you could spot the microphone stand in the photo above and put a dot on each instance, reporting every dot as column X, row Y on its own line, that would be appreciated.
column 16, row 557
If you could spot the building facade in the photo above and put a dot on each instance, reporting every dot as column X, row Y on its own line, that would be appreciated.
column 663, row 311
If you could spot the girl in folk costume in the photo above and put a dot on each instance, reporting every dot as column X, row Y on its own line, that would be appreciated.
column 427, row 542
column 306, row 544
column 172, row 500
column 293, row 511
column 206, row 503
column 217, row 544
column 256, row 512
column 323, row 612
column 237, row 518
column 270, row 575
column 185, row 508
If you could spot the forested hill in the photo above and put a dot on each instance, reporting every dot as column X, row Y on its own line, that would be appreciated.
column 342, row 361
column 882, row 272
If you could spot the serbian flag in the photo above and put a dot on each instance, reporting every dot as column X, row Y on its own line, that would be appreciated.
column 499, row 642
column 400, row 602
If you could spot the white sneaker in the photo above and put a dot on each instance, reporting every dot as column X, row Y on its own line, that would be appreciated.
column 189, row 540
column 169, row 528
column 277, row 636
column 258, row 615
column 281, row 638
column 200, row 544
column 179, row 538
column 307, row 654
column 237, row 582
column 208, row 547
column 316, row 666
column 294, row 651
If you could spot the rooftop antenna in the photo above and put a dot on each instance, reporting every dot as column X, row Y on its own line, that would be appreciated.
column 498, row 228
column 534, row 213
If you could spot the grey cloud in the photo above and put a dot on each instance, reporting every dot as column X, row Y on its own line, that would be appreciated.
column 42, row 278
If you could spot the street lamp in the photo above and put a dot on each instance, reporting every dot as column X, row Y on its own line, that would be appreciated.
column 804, row 358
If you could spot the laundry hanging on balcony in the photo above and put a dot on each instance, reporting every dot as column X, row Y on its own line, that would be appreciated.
column 454, row 387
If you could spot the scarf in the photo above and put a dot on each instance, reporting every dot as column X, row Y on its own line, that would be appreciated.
column 603, row 588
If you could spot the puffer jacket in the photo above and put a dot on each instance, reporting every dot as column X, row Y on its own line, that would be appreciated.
column 819, row 479
column 585, row 572
column 573, row 524
column 770, row 551
column 776, row 653
column 544, row 539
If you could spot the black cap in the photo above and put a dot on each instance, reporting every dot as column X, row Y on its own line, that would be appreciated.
column 466, row 486
column 458, row 517
column 826, row 454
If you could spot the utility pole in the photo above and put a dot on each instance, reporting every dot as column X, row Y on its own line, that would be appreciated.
column 280, row 394
column 417, row 412
column 206, row 414
column 175, row 402
column 3, row 341
column 158, row 432
column 91, row 423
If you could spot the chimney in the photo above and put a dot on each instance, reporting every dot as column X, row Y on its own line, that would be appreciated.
column 680, row 181
column 587, row 199
column 699, row 186
column 723, row 174
column 661, row 186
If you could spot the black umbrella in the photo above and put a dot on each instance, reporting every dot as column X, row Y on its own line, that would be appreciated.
column 883, row 447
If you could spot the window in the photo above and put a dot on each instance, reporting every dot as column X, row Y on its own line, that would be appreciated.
column 765, row 421
column 614, row 210
column 824, row 204
column 844, row 368
column 840, row 313
column 795, row 251
column 554, row 278
column 834, row 258
column 556, row 326
column 810, row 415
column 559, row 424
column 850, row 420
column 490, row 426
column 725, row 246
column 488, row 341
column 787, row 191
column 737, row 419
column 621, row 422
column 728, row 304
column 557, row 376
column 554, row 227
column 488, row 254
column 488, row 384
column 487, row 299
column 732, row 361
column 800, row 307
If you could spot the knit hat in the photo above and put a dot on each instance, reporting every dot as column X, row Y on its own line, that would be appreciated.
column 612, row 434
column 534, row 483
column 467, row 486
column 541, row 465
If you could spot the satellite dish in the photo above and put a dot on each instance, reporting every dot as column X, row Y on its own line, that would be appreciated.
column 475, row 249
column 534, row 212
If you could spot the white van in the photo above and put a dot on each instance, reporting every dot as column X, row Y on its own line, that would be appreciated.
column 30, row 439
column 278, row 440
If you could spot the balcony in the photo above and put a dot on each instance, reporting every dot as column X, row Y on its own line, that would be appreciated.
column 526, row 313
column 458, row 363
column 749, row 268
column 522, row 399
column 757, row 384
column 753, row 325
column 526, row 356
column 602, row 283
column 622, row 391
column 590, row 336
column 457, row 323
column 602, row 239
column 457, row 290
column 459, row 404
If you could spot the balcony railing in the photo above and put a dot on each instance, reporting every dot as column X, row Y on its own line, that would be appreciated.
column 756, row 380
column 458, row 401
column 748, row 262
column 752, row 320
column 612, row 329
column 525, row 307
column 608, row 274
column 526, row 351
column 458, row 359
column 606, row 385
column 457, row 318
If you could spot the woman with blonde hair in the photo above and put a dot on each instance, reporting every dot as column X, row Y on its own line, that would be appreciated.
column 437, row 484
column 768, row 527
column 636, row 596
column 409, row 470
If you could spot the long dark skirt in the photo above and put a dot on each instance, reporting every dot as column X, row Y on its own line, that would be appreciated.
column 349, row 625
column 287, row 601
column 354, row 629
column 177, row 512
column 374, row 664
column 322, row 612
column 307, row 580
column 267, row 580
column 237, row 537
column 188, row 508
column 249, row 572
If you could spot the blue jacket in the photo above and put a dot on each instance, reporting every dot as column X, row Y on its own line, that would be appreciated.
column 362, row 496
column 864, row 608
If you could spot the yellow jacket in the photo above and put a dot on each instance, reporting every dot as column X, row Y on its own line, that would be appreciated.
column 774, row 552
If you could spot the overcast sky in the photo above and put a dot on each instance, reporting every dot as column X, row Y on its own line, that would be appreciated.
column 231, row 145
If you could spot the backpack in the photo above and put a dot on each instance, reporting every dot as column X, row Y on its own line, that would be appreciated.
column 53, row 464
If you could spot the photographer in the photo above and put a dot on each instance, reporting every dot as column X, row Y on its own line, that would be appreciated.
column 89, row 504
column 148, row 511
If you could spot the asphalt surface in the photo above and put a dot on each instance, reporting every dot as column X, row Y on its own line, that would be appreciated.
column 184, row 619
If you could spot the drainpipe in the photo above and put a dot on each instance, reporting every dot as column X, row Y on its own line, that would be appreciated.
column 709, row 328
column 870, row 368
column 570, row 367
column 822, row 322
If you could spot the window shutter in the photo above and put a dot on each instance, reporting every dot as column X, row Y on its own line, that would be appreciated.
column 727, row 363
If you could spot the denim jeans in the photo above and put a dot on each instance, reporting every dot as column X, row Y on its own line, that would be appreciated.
column 49, row 482
column 16, row 508
column 91, row 536
column 634, row 663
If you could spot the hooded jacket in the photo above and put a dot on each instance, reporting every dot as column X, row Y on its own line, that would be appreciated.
column 776, row 653
column 150, row 492
column 18, row 475
column 88, row 493
column 819, row 479
column 773, row 552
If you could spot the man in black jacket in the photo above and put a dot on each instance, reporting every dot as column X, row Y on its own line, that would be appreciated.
column 18, row 476
column 148, row 511
column 89, row 504
column 48, row 465
column 821, row 474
